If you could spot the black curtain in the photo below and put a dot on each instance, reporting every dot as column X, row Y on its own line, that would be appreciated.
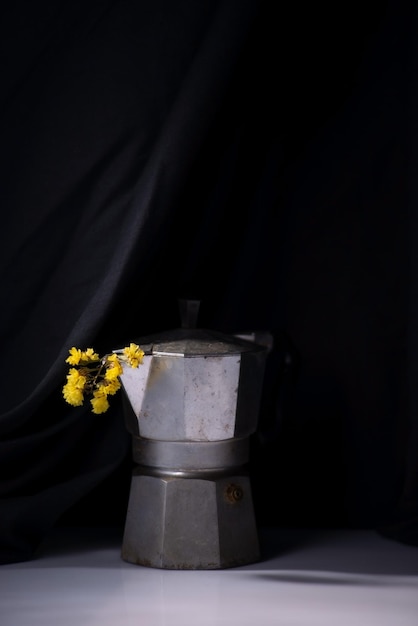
column 260, row 157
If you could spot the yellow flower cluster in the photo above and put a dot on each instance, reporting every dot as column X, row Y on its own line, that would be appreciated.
column 97, row 376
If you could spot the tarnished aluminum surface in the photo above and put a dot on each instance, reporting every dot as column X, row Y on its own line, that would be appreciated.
column 178, row 523
column 196, row 395
column 190, row 455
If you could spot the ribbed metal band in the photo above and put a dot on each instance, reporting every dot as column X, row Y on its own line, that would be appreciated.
column 201, row 474
column 190, row 455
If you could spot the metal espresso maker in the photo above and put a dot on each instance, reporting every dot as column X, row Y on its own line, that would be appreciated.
column 191, row 408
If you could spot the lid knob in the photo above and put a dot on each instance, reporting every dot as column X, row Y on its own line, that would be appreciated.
column 189, row 311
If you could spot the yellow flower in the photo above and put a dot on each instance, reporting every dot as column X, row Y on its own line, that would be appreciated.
column 133, row 354
column 113, row 367
column 99, row 402
column 74, row 388
column 110, row 387
column 76, row 378
column 73, row 396
column 89, row 355
column 75, row 356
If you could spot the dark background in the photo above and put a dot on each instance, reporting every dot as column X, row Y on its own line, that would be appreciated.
column 258, row 156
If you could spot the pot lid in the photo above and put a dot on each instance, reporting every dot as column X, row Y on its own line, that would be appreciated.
column 190, row 341
column 196, row 342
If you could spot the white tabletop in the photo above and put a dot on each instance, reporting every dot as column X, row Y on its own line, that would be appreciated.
column 305, row 577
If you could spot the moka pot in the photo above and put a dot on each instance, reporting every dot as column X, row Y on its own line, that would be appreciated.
column 191, row 407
